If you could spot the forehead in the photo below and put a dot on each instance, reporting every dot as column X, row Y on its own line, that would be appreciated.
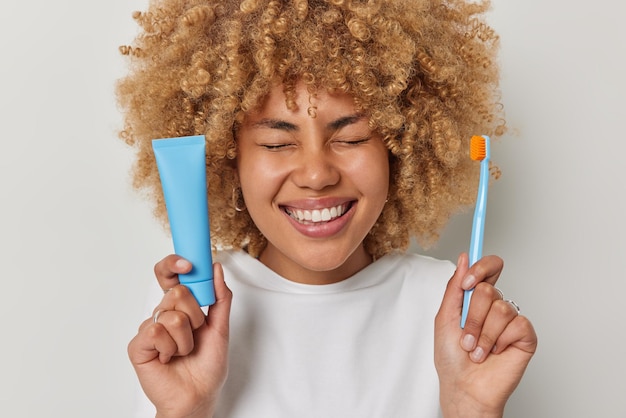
column 302, row 101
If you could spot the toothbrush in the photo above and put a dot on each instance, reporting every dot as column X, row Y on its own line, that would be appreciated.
column 479, row 151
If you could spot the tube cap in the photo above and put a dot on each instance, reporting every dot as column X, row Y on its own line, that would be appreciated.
column 203, row 292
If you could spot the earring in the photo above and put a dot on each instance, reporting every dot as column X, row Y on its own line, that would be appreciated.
column 238, row 203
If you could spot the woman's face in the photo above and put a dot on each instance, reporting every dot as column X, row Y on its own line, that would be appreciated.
column 314, row 186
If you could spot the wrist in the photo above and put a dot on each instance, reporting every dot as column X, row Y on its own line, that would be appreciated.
column 201, row 412
column 196, row 414
column 461, row 405
column 463, row 411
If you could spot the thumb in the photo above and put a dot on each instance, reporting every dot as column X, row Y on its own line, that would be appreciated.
column 452, row 303
column 219, row 313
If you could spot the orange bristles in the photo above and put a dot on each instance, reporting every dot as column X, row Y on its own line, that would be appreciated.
column 478, row 148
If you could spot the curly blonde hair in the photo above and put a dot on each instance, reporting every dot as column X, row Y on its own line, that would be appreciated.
column 423, row 71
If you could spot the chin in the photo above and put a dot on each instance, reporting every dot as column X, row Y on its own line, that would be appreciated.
column 334, row 263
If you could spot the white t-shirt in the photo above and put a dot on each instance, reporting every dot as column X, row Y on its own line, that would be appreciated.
column 362, row 347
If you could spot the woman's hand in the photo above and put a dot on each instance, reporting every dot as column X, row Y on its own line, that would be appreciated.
column 181, row 356
column 480, row 366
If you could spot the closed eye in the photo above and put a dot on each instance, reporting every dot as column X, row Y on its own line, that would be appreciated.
column 275, row 147
column 353, row 141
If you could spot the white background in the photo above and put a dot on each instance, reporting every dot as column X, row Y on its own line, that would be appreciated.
column 77, row 245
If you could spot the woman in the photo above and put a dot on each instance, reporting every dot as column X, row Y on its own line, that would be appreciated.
column 335, row 131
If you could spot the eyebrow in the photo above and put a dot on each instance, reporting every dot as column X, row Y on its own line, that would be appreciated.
column 276, row 124
column 344, row 121
column 290, row 127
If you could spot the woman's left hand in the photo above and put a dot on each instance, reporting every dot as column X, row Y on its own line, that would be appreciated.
column 480, row 366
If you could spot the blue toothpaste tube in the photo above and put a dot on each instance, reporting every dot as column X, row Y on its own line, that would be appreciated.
column 182, row 169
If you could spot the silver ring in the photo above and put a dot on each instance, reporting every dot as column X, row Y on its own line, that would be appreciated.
column 155, row 317
column 515, row 305
column 500, row 292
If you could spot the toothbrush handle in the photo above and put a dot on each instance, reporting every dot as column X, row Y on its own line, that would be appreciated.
column 478, row 230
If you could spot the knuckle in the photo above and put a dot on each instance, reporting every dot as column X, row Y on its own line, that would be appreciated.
column 488, row 291
column 173, row 296
column 485, row 288
column 495, row 260
column 145, row 324
column 161, row 269
column 524, row 324
column 178, row 320
column 503, row 308
column 499, row 262
column 179, row 291
column 130, row 348
column 155, row 331
column 158, row 268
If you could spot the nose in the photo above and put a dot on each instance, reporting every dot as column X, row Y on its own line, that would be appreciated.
column 316, row 170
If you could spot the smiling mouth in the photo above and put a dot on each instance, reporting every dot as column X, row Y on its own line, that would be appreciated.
column 317, row 216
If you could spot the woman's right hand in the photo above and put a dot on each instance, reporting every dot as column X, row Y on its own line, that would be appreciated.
column 181, row 358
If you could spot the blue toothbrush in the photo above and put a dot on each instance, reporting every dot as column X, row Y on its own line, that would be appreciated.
column 479, row 151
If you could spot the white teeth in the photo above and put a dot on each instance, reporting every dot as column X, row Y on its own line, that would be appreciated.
column 316, row 215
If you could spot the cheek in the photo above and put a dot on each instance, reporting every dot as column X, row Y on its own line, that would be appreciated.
column 372, row 173
column 260, row 180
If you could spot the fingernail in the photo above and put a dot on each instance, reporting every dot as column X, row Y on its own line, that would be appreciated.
column 182, row 264
column 477, row 355
column 468, row 342
column 468, row 282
